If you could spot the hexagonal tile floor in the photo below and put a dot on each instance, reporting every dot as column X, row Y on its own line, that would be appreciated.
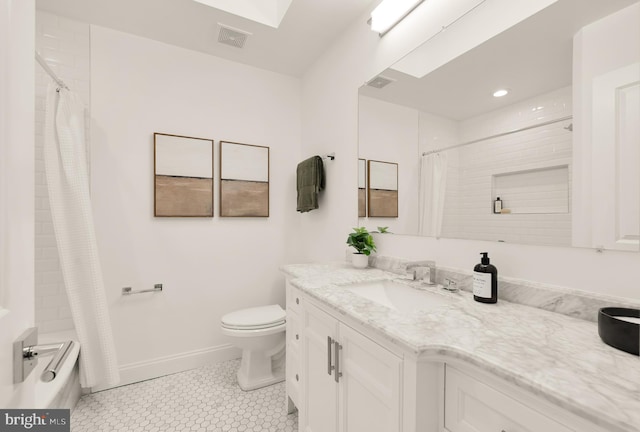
column 200, row 400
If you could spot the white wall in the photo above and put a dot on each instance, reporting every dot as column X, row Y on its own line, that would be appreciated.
column 389, row 133
column 65, row 46
column 330, row 122
column 209, row 267
column 17, row 34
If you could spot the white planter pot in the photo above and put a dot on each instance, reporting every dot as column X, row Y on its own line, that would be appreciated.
column 360, row 260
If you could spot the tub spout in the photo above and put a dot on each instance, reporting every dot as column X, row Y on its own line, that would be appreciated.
column 60, row 352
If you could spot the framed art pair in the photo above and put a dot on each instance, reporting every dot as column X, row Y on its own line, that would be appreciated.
column 183, row 178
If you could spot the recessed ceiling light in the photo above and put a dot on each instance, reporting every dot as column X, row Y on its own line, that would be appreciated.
column 500, row 93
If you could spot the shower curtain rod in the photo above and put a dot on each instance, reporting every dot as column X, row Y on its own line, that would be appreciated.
column 569, row 128
column 50, row 71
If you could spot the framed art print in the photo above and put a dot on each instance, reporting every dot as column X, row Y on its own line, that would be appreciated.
column 244, row 180
column 362, row 188
column 183, row 176
column 383, row 189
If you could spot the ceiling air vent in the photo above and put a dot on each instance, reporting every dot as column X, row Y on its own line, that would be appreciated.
column 380, row 82
column 232, row 36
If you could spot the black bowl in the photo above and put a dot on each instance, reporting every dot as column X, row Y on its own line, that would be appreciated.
column 618, row 333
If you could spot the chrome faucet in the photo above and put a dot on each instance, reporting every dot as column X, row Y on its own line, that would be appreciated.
column 451, row 285
column 421, row 269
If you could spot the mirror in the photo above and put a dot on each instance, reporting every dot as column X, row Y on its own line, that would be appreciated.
column 475, row 166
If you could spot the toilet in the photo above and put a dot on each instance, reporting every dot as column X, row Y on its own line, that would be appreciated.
column 260, row 333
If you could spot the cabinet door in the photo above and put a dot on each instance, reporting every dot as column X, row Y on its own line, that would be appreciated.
column 369, row 390
column 474, row 406
column 319, row 388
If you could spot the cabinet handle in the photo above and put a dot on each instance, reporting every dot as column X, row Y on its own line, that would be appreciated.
column 298, row 379
column 297, row 336
column 336, row 352
column 329, row 365
column 297, row 300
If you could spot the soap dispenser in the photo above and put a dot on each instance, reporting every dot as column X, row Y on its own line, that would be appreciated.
column 485, row 281
column 497, row 206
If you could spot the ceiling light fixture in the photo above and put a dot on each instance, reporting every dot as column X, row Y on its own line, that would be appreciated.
column 389, row 13
column 500, row 93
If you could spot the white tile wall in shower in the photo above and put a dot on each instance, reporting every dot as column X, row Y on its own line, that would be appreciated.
column 65, row 45
column 538, row 109
column 468, row 208
column 537, row 191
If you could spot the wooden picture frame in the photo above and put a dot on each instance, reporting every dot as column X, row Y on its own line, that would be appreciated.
column 244, row 180
column 183, row 176
column 382, row 182
column 362, row 188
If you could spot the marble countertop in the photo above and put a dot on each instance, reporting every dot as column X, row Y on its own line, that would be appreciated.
column 557, row 357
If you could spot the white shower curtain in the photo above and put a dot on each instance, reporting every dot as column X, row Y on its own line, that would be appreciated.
column 433, row 188
column 68, row 182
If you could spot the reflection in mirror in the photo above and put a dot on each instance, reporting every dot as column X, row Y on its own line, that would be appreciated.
column 462, row 148
column 383, row 189
column 362, row 188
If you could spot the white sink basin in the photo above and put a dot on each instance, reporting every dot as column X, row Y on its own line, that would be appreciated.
column 398, row 296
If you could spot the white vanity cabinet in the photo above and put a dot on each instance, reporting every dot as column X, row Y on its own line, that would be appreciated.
column 348, row 382
column 343, row 377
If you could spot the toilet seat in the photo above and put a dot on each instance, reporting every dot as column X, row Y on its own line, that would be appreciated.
column 242, row 333
column 258, row 318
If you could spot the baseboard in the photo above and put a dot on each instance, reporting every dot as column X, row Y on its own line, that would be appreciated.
column 148, row 369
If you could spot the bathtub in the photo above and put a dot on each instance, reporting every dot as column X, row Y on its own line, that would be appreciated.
column 64, row 391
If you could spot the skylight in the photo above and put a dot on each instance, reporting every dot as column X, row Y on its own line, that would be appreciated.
column 268, row 12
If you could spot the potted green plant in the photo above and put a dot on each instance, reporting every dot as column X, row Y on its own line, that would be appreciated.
column 363, row 243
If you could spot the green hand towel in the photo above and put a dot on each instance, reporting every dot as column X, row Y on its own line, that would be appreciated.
column 310, row 181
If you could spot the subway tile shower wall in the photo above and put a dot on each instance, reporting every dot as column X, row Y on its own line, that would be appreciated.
column 544, row 152
column 65, row 45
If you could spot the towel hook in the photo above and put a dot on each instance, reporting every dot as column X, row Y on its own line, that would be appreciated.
column 330, row 156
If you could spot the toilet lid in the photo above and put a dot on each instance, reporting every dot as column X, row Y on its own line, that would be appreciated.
column 258, row 317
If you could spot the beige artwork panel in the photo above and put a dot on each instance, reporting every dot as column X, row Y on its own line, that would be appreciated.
column 183, row 196
column 383, row 203
column 244, row 198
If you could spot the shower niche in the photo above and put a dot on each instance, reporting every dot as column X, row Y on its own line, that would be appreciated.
column 535, row 191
